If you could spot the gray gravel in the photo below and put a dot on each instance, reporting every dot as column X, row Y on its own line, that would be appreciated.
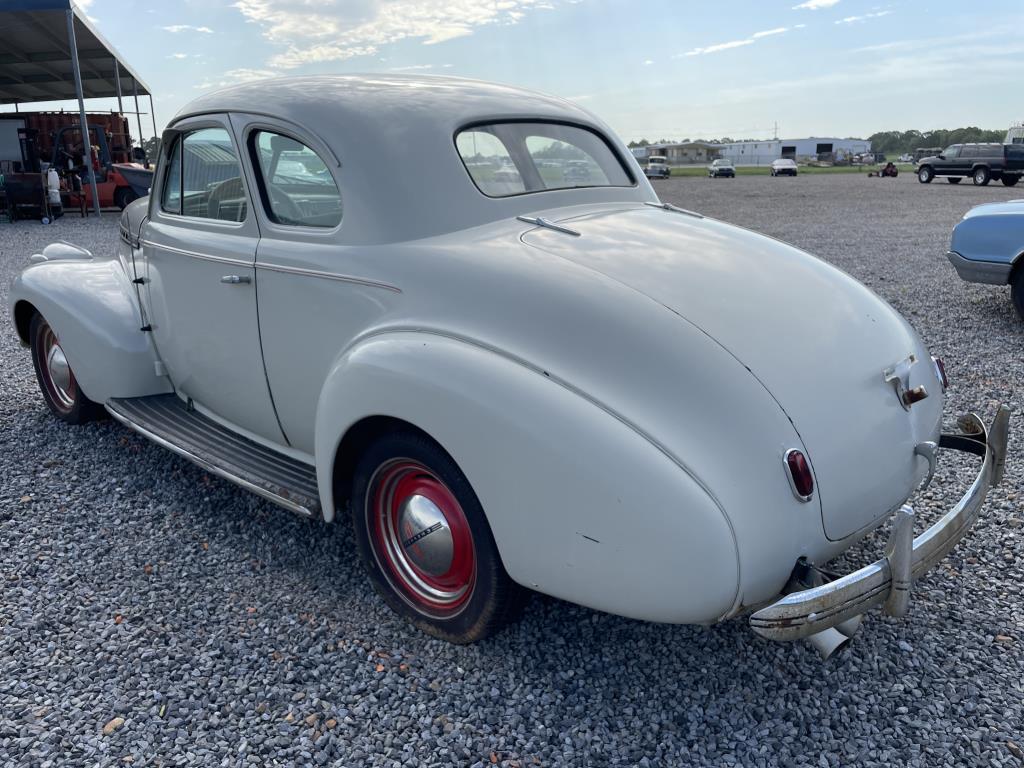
column 202, row 626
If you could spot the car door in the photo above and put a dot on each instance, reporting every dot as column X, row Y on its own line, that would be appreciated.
column 199, row 248
column 952, row 164
column 316, row 292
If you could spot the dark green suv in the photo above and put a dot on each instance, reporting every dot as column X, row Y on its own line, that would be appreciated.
column 982, row 162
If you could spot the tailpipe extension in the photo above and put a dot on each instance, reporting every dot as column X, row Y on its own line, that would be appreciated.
column 829, row 642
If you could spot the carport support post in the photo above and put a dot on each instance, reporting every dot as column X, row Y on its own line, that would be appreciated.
column 138, row 115
column 86, row 143
column 120, row 108
column 152, row 115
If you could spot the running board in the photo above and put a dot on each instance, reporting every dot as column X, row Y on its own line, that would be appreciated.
column 168, row 422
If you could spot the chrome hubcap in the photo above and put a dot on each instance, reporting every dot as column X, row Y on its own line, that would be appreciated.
column 62, row 381
column 426, row 537
column 421, row 538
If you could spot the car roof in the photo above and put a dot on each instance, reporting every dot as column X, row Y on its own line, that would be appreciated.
column 386, row 128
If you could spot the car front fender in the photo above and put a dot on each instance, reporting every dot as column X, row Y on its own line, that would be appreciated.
column 91, row 306
column 583, row 506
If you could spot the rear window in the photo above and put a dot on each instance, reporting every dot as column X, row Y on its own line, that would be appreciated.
column 505, row 159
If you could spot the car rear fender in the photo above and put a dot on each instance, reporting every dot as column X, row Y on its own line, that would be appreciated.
column 91, row 305
column 582, row 505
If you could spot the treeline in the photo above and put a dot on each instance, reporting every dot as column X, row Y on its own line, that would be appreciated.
column 892, row 142
column 898, row 142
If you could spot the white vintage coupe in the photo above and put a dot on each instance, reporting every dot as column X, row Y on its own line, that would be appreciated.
column 405, row 299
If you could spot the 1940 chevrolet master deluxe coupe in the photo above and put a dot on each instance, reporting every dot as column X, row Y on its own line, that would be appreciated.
column 389, row 295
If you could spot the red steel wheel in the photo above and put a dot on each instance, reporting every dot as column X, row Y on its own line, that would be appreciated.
column 421, row 538
column 56, row 379
column 426, row 542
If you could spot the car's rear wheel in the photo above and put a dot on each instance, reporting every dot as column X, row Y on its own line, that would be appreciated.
column 57, row 381
column 1017, row 292
column 425, row 541
column 953, row 179
column 1010, row 181
column 925, row 174
column 981, row 177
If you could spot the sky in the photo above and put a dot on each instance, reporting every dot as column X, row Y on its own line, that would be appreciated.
column 655, row 69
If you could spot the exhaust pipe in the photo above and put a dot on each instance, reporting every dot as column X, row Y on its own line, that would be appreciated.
column 829, row 642
column 850, row 627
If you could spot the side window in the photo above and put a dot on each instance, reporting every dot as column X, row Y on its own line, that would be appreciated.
column 170, row 199
column 295, row 184
column 211, row 183
column 950, row 153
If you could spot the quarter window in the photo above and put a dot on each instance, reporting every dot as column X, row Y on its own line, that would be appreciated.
column 295, row 183
column 506, row 159
column 204, row 179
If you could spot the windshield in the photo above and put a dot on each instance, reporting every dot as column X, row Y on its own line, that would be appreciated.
column 506, row 159
column 722, row 162
column 657, row 159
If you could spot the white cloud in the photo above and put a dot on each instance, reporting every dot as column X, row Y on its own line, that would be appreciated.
column 735, row 43
column 412, row 68
column 648, row 62
column 814, row 5
column 178, row 56
column 316, row 30
column 187, row 28
column 719, row 47
column 235, row 76
column 768, row 32
column 852, row 19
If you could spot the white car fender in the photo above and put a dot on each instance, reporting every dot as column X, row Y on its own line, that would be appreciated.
column 92, row 308
column 574, row 494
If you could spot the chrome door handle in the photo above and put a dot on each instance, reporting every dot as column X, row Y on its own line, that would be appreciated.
column 235, row 279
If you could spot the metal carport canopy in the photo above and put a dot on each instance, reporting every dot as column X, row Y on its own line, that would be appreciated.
column 35, row 57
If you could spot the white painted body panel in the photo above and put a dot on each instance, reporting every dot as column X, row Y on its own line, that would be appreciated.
column 620, row 401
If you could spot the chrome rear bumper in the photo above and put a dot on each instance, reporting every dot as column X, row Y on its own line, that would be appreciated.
column 807, row 611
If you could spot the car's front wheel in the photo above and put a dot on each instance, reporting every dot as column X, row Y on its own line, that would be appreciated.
column 981, row 177
column 425, row 541
column 925, row 175
column 57, row 381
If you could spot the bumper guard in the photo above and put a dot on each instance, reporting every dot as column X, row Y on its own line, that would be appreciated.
column 808, row 611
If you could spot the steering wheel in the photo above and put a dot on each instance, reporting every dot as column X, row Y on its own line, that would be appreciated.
column 284, row 208
column 229, row 189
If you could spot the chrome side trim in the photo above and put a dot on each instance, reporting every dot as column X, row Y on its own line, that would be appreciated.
column 197, row 255
column 327, row 276
column 210, row 467
column 808, row 611
column 987, row 272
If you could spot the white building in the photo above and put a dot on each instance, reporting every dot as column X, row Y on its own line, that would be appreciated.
column 763, row 152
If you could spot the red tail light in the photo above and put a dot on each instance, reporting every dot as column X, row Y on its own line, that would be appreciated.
column 800, row 478
column 940, row 372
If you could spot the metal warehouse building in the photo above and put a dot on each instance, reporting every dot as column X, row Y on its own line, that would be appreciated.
column 763, row 152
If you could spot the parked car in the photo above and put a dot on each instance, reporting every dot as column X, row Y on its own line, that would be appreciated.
column 980, row 162
column 988, row 247
column 576, row 170
column 507, row 386
column 784, row 167
column 657, row 167
column 722, row 168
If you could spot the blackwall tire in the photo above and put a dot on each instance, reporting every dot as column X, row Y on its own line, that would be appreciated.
column 981, row 177
column 925, row 175
column 57, row 382
column 1010, row 181
column 123, row 197
column 425, row 542
column 1017, row 292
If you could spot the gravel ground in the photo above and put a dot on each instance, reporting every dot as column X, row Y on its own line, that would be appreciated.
column 153, row 615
